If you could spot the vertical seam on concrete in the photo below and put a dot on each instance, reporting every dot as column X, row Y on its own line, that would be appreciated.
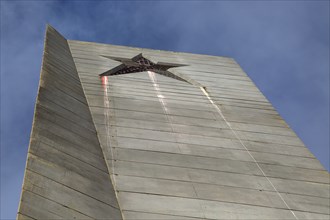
column 160, row 98
column 106, row 103
column 153, row 79
column 105, row 84
column 247, row 150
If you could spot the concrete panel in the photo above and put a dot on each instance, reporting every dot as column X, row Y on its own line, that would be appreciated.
column 302, row 187
column 61, row 194
column 197, row 208
column 151, row 145
column 230, row 179
column 215, row 152
column 155, row 186
column 68, row 177
column 270, row 138
column 151, row 170
column 309, row 215
column 261, row 128
column 200, row 191
column 294, row 173
column 150, row 216
column 43, row 208
column 161, row 204
column 187, row 161
column 218, row 210
column 285, row 160
column 308, row 203
column 278, row 149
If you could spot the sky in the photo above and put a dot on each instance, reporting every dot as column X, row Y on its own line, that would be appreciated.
column 282, row 45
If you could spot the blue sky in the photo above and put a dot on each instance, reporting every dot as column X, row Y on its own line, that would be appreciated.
column 282, row 45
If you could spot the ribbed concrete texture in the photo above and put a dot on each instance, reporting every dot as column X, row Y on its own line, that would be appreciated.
column 66, row 176
column 200, row 142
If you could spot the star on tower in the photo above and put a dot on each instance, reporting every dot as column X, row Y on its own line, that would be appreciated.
column 141, row 64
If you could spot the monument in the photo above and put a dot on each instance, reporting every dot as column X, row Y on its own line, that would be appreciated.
column 132, row 133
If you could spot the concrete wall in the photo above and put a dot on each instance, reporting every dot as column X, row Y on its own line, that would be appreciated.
column 66, row 176
column 178, row 152
column 213, row 148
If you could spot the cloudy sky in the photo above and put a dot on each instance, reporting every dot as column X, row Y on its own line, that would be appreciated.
column 282, row 45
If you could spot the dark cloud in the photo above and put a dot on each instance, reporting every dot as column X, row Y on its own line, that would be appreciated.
column 282, row 45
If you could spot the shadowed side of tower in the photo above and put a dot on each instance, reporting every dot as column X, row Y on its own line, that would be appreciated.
column 66, row 176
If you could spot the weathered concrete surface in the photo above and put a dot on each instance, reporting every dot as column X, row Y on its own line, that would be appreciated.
column 66, row 176
column 174, row 150
column 175, row 156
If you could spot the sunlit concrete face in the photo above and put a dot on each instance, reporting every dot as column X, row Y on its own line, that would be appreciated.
column 200, row 142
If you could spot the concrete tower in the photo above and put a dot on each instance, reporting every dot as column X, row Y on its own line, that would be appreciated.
column 132, row 133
